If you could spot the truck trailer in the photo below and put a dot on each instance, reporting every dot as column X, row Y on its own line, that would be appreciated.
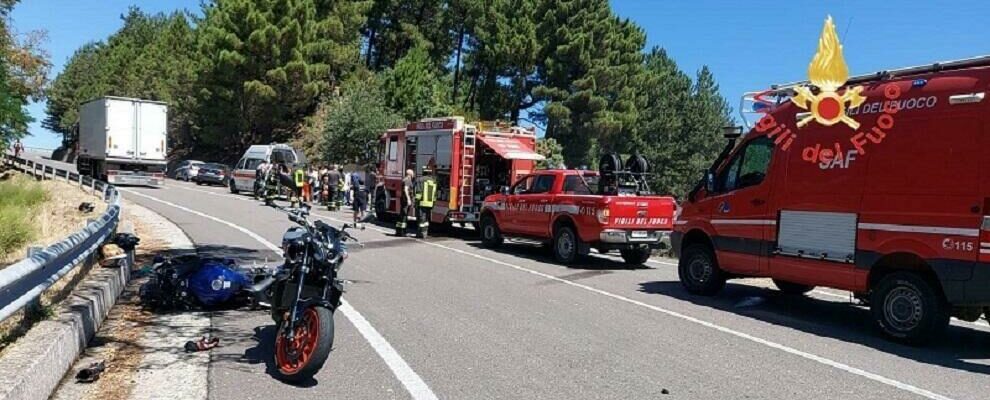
column 123, row 140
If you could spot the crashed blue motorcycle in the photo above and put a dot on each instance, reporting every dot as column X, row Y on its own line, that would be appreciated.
column 305, row 293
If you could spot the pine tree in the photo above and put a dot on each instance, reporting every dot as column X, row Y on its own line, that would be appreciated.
column 590, row 71
column 414, row 88
column 394, row 27
column 266, row 64
column 503, row 59
column 679, row 125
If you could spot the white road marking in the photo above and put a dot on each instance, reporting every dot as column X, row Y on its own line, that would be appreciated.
column 413, row 383
column 787, row 349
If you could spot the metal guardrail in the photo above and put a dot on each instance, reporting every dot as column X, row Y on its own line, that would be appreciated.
column 23, row 282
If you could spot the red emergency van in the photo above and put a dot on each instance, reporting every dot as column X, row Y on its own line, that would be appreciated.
column 896, row 211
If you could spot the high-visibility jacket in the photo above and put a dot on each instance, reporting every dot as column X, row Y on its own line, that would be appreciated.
column 299, row 177
column 428, row 193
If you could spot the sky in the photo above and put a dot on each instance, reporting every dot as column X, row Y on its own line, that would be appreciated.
column 748, row 45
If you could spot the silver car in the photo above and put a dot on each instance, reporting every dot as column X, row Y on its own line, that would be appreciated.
column 187, row 169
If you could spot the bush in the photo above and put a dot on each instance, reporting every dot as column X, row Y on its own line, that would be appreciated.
column 18, row 199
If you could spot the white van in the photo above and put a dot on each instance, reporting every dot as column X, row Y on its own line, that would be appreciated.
column 244, row 171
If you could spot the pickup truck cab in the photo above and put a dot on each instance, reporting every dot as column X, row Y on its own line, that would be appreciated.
column 562, row 208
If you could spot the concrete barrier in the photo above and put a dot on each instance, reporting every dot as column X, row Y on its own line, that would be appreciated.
column 31, row 368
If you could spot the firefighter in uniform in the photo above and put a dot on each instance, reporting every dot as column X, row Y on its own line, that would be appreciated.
column 271, row 183
column 426, row 194
column 299, row 179
column 405, row 202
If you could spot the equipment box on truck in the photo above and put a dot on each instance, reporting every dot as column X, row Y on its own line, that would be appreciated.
column 892, row 202
column 123, row 140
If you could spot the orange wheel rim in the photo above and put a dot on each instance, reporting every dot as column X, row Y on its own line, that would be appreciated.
column 293, row 355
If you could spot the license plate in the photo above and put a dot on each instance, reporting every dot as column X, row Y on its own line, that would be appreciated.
column 639, row 234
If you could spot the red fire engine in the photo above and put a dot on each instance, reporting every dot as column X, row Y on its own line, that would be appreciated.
column 892, row 205
column 470, row 161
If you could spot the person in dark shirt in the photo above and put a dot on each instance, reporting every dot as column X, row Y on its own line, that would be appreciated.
column 372, row 186
column 333, row 185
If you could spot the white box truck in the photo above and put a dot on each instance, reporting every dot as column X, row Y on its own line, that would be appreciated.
column 123, row 140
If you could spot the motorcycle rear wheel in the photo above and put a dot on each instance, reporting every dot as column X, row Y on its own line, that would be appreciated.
column 299, row 359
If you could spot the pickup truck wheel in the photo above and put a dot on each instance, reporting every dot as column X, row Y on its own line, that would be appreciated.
column 792, row 288
column 699, row 272
column 491, row 235
column 908, row 309
column 637, row 256
column 565, row 245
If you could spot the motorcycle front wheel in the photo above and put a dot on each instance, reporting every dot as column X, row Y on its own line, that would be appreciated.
column 300, row 358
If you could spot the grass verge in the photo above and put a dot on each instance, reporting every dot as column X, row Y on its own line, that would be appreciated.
column 20, row 198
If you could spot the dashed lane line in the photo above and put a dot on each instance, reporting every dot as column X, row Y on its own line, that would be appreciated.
column 765, row 342
column 413, row 383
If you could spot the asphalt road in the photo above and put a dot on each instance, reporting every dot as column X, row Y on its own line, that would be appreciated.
column 445, row 318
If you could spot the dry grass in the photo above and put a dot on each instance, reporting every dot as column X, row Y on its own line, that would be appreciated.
column 55, row 218
column 51, row 221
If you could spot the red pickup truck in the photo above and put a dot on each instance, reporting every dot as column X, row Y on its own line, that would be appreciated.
column 562, row 208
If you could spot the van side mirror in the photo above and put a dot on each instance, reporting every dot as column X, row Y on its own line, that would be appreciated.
column 710, row 182
column 732, row 132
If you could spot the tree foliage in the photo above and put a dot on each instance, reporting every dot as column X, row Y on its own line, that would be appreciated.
column 24, row 68
column 552, row 151
column 413, row 88
column 354, row 121
column 592, row 61
column 267, row 63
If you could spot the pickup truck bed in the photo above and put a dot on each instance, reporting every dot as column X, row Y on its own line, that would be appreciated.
column 558, row 207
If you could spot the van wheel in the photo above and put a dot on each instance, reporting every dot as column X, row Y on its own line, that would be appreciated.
column 791, row 287
column 908, row 309
column 637, row 256
column 491, row 235
column 233, row 187
column 699, row 272
column 565, row 245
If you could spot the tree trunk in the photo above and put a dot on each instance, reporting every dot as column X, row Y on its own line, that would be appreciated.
column 371, row 47
column 457, row 63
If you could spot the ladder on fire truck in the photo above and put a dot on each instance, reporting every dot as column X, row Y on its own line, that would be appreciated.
column 468, row 147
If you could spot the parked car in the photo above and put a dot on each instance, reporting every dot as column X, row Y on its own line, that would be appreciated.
column 187, row 169
column 212, row 174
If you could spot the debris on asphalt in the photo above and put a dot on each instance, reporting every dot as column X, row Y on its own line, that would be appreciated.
column 202, row 344
column 91, row 373
column 664, row 391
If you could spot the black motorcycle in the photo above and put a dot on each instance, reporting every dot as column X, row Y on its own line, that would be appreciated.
column 305, row 293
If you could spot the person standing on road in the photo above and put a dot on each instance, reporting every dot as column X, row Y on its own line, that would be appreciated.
column 360, row 202
column 405, row 202
column 372, row 187
column 333, row 186
column 259, row 178
column 425, row 197
column 314, row 184
column 341, row 186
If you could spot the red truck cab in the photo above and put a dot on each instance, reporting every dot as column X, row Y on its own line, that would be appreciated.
column 562, row 208
column 894, row 207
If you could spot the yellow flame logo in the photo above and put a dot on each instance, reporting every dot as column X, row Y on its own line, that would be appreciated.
column 828, row 71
